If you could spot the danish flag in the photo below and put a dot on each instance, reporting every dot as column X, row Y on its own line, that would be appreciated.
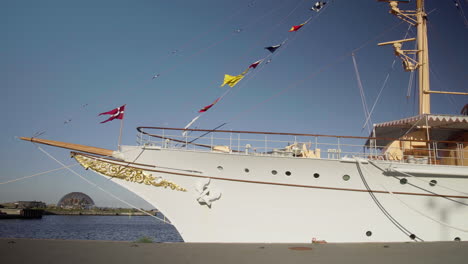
column 117, row 113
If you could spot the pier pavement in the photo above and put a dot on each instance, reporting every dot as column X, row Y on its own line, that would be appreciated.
column 39, row 251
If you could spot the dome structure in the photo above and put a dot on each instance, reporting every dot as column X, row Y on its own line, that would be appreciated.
column 76, row 200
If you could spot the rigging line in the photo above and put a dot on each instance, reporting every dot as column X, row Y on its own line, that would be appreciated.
column 380, row 92
column 386, row 80
column 202, row 50
column 206, row 133
column 38, row 174
column 361, row 91
column 115, row 94
column 282, row 21
column 267, row 33
column 449, row 97
column 376, row 37
column 248, row 73
column 217, row 101
column 283, row 43
column 100, row 188
column 209, row 30
column 295, row 35
column 257, row 71
column 416, row 210
column 421, row 188
column 380, row 206
column 215, row 27
column 450, row 58
column 410, row 84
column 462, row 13
column 313, row 74
column 143, row 83
column 192, row 99
column 270, row 56
column 412, row 73
column 415, row 105
column 215, row 44
column 321, row 10
column 111, row 98
column 207, row 48
column 289, row 87
column 171, row 69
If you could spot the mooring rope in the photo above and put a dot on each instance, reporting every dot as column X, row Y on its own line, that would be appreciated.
column 423, row 189
column 417, row 211
column 417, row 178
column 382, row 208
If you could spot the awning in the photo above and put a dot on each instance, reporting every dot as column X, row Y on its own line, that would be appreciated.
column 434, row 121
column 442, row 127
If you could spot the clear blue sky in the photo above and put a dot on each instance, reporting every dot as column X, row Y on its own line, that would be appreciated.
column 57, row 56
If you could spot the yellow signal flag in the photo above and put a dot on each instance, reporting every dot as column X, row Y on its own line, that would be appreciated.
column 232, row 80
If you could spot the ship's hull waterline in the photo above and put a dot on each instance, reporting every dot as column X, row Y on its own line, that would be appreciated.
column 225, row 197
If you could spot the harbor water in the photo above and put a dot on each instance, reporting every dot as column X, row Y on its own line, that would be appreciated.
column 113, row 228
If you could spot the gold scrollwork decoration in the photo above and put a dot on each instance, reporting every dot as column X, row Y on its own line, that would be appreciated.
column 125, row 173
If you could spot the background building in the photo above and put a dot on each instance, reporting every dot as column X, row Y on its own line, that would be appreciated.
column 31, row 204
column 76, row 200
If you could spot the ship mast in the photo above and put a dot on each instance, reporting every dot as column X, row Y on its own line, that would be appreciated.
column 416, row 18
column 423, row 59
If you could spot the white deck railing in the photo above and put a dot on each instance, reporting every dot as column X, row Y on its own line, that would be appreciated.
column 304, row 146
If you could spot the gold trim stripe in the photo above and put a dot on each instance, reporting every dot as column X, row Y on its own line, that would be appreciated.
column 122, row 172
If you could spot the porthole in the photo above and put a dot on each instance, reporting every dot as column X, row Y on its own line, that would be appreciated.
column 346, row 177
column 457, row 239
column 288, row 173
column 368, row 233
column 316, row 175
column 220, row 168
column 433, row 183
column 246, row 170
column 274, row 172
column 403, row 181
column 412, row 236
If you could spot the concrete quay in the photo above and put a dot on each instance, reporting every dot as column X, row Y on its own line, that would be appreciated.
column 38, row 251
column 21, row 213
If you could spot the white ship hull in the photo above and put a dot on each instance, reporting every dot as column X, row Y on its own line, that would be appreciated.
column 313, row 202
column 407, row 181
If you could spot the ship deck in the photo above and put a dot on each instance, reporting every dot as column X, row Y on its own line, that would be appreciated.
column 393, row 147
column 86, row 251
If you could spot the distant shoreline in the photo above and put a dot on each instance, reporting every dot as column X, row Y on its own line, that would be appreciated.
column 95, row 213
